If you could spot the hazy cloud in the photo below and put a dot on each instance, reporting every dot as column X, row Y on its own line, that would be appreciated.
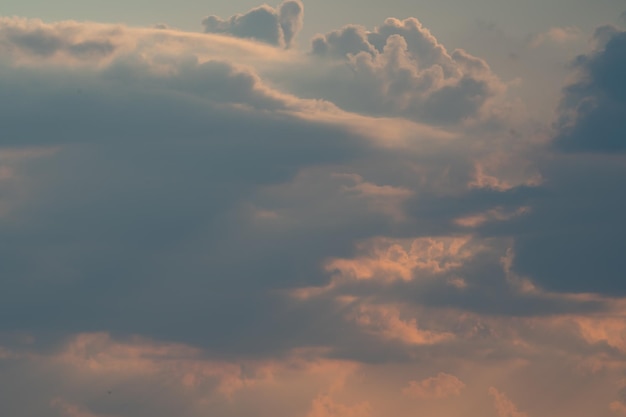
column 504, row 406
column 45, row 40
column 556, row 35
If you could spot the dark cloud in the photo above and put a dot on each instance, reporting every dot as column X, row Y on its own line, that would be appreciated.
column 172, row 160
column 593, row 109
column 266, row 24
column 572, row 239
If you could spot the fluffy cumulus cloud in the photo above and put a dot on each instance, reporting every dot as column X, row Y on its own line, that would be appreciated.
column 274, row 26
column 204, row 224
column 400, row 68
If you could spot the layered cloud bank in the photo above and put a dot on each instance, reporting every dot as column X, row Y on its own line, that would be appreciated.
column 209, row 224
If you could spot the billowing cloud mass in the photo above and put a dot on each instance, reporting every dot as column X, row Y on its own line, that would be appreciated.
column 202, row 224
column 400, row 68
column 274, row 26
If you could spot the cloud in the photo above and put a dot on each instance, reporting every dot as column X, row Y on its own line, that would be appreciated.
column 567, row 239
column 45, row 40
column 386, row 322
column 556, row 35
column 324, row 406
column 593, row 108
column 618, row 407
column 441, row 386
column 290, row 15
column 503, row 405
column 274, row 26
column 94, row 375
column 400, row 68
column 174, row 144
column 189, row 222
column 392, row 260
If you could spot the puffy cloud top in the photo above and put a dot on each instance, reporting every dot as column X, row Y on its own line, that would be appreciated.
column 266, row 24
column 400, row 68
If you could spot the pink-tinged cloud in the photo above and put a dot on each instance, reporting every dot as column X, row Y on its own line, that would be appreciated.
column 325, row 406
column 437, row 387
column 618, row 408
column 71, row 410
column 387, row 323
column 497, row 214
column 556, row 35
column 503, row 405
column 389, row 260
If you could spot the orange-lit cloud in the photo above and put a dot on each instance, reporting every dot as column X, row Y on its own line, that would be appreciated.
column 389, row 260
column 325, row 406
column 386, row 322
column 504, row 406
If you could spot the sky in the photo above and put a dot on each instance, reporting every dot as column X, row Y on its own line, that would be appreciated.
column 313, row 209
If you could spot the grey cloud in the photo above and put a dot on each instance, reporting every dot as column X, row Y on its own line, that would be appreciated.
column 450, row 104
column 266, row 24
column 47, row 41
column 351, row 39
column 290, row 16
column 593, row 109
column 401, row 69
column 143, row 197
column 572, row 239
column 177, row 206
